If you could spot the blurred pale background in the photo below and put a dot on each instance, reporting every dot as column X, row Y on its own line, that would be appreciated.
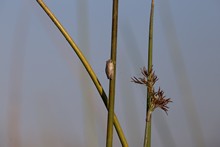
column 48, row 100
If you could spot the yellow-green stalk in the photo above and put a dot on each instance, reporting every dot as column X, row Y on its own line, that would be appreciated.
column 109, row 137
column 147, row 136
column 87, row 67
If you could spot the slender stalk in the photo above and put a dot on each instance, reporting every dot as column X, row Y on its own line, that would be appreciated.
column 87, row 67
column 147, row 138
column 150, row 44
column 109, row 136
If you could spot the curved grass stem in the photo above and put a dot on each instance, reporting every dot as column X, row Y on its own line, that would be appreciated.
column 88, row 68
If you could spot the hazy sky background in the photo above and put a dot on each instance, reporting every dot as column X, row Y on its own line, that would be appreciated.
column 47, row 99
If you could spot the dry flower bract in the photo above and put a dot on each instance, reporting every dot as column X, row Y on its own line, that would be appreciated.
column 158, row 99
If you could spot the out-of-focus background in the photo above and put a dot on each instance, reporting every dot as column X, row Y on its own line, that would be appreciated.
column 48, row 100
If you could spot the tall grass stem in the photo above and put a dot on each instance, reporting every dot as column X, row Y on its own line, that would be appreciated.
column 147, row 138
column 88, row 68
column 109, row 139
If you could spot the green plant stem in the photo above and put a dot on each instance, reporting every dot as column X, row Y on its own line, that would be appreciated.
column 147, row 138
column 87, row 67
column 147, row 142
column 109, row 137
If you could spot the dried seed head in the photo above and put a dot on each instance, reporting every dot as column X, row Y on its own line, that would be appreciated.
column 109, row 69
column 157, row 99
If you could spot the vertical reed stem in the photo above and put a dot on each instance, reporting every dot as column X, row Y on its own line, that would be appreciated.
column 87, row 67
column 109, row 139
column 147, row 138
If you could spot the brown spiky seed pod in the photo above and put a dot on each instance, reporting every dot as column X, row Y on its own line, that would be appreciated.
column 109, row 69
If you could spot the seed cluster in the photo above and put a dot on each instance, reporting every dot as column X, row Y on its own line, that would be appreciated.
column 157, row 98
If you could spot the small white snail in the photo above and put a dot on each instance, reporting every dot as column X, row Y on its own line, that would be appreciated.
column 109, row 69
